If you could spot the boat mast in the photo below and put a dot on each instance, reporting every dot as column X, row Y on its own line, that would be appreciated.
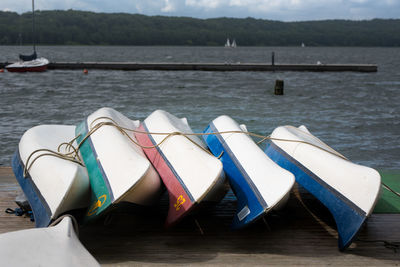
column 33, row 26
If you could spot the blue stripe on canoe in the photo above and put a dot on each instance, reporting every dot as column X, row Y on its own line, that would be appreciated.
column 348, row 216
column 100, row 167
column 40, row 208
column 246, row 192
column 169, row 164
column 239, row 167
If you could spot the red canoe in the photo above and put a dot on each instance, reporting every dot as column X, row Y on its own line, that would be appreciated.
column 190, row 174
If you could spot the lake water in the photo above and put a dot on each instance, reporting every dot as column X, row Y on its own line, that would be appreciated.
column 357, row 114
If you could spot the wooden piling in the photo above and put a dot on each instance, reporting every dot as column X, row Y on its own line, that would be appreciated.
column 273, row 58
column 279, row 87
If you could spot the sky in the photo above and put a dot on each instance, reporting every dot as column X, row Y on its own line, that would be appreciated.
column 283, row 10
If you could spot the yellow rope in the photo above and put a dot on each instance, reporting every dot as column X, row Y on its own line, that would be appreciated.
column 390, row 189
column 29, row 164
column 263, row 138
column 74, row 154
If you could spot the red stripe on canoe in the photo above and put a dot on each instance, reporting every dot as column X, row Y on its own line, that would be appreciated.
column 179, row 202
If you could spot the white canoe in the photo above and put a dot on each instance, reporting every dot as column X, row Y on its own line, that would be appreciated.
column 36, row 65
column 52, row 246
column 190, row 174
column 350, row 191
column 258, row 183
column 53, row 185
column 118, row 169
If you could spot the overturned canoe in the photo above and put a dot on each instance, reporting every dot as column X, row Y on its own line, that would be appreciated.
column 117, row 167
column 52, row 246
column 51, row 184
column 348, row 190
column 189, row 172
column 258, row 183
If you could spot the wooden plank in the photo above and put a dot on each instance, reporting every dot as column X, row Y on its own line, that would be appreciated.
column 303, row 233
column 8, row 191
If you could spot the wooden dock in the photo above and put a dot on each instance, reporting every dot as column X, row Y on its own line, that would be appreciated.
column 303, row 233
column 133, row 66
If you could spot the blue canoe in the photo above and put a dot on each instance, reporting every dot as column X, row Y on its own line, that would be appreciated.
column 348, row 190
column 258, row 183
column 51, row 184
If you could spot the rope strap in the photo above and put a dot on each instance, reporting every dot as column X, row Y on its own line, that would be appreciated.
column 20, row 212
column 72, row 153
column 390, row 189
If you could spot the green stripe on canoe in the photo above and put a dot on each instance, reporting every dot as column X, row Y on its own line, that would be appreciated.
column 101, row 199
column 388, row 201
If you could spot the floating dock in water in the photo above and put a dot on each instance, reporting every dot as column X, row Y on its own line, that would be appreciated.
column 132, row 66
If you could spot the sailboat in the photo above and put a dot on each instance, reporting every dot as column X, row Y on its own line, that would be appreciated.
column 30, row 63
column 228, row 43
column 233, row 45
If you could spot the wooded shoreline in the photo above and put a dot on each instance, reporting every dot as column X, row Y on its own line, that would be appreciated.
column 73, row 27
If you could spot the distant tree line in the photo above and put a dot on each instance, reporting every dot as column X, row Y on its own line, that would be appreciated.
column 88, row 28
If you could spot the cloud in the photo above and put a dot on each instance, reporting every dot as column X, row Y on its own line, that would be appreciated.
column 205, row 4
column 286, row 10
column 169, row 6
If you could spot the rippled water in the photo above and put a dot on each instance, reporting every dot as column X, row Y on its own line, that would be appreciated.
column 357, row 114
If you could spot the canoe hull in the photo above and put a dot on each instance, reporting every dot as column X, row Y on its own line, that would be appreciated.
column 258, row 183
column 182, row 202
column 51, row 246
column 348, row 217
column 350, row 191
column 52, row 185
column 191, row 175
column 118, row 169
column 250, row 205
